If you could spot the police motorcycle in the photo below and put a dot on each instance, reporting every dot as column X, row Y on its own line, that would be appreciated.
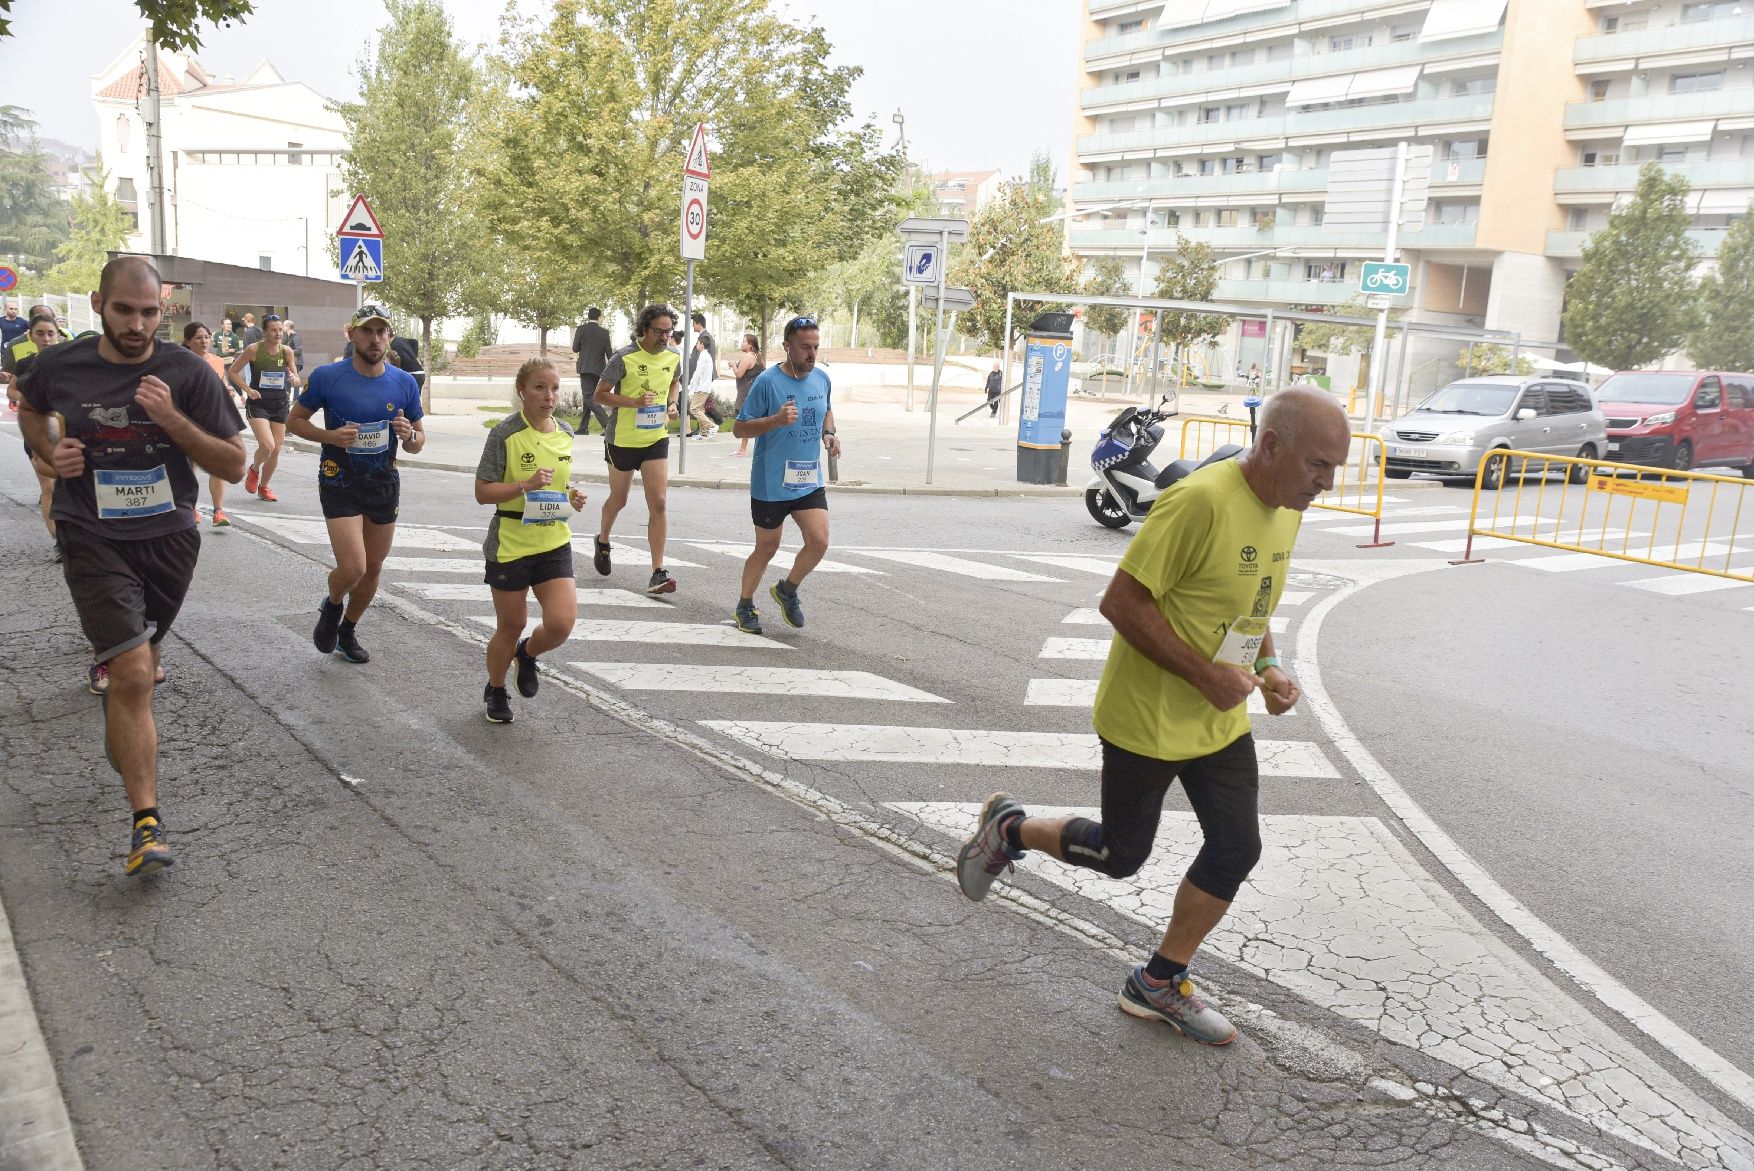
column 1126, row 483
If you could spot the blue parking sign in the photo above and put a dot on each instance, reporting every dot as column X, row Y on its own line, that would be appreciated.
column 362, row 258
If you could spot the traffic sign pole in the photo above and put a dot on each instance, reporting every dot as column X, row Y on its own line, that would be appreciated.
column 695, row 174
column 1398, row 192
column 938, row 362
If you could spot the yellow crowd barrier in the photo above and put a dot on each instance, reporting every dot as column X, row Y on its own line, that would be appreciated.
column 1358, row 485
column 1691, row 521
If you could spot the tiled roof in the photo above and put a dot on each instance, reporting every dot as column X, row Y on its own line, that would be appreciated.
column 131, row 86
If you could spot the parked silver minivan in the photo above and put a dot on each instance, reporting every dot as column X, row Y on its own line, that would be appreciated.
column 1450, row 433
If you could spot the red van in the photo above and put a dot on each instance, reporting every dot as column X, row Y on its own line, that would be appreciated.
column 1680, row 419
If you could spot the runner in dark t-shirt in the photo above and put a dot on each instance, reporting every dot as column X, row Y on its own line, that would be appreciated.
column 124, row 421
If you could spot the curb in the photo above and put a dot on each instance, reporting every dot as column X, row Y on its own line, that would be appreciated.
column 741, row 484
column 35, row 1131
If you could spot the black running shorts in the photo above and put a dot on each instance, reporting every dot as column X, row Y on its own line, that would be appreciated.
column 771, row 514
column 522, row 573
column 271, row 407
column 628, row 459
column 126, row 592
column 376, row 500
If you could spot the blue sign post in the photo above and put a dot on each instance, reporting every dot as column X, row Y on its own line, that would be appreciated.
column 362, row 258
column 1047, row 376
column 1385, row 279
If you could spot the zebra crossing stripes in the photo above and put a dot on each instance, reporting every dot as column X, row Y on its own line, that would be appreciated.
column 454, row 591
column 976, row 747
column 1081, row 693
column 961, row 566
column 1101, row 566
column 1096, row 649
column 1433, row 525
column 797, row 683
column 691, row 634
column 623, row 555
column 1574, row 562
column 1681, row 584
column 395, row 564
column 1085, row 616
column 741, row 552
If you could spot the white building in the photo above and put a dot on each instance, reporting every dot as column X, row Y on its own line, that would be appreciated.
column 249, row 165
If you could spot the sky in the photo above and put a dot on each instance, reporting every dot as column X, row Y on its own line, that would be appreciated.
column 982, row 84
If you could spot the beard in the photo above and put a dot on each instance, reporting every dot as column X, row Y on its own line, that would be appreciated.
column 129, row 345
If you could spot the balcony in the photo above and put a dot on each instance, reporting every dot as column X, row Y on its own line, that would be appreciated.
column 1287, row 292
column 1614, row 180
column 1312, row 237
column 1196, row 85
column 1644, row 43
column 1188, row 190
column 1276, row 128
column 1307, row 11
column 1569, row 245
column 1734, row 100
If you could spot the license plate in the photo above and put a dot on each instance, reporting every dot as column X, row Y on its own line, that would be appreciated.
column 1412, row 452
column 1613, row 449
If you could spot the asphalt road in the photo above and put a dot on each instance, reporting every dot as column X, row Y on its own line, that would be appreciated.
column 667, row 920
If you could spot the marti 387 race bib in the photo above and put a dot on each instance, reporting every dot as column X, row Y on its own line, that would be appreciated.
column 123, row 494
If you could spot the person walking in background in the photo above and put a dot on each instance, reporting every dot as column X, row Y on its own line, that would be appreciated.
column 590, row 341
column 700, row 390
column 995, row 388
column 706, row 341
column 746, row 370
column 290, row 339
column 199, row 340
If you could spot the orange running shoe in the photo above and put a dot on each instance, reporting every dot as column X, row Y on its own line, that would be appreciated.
column 251, row 478
column 267, row 494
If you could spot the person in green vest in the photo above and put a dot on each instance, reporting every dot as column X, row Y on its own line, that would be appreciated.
column 524, row 472
column 226, row 342
column 273, row 378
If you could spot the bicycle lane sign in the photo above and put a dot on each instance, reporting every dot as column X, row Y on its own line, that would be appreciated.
column 1384, row 279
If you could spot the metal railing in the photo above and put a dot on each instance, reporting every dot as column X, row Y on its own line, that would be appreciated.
column 1358, row 484
column 1690, row 521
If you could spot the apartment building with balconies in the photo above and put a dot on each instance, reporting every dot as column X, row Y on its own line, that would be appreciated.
column 1218, row 118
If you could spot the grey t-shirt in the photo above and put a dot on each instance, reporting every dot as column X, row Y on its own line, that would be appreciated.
column 141, row 467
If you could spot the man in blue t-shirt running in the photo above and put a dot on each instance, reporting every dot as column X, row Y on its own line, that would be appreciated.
column 369, row 409
column 790, row 415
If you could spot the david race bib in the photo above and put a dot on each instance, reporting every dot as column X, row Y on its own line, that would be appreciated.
column 544, row 505
column 1242, row 646
column 802, row 473
column 124, row 494
column 650, row 418
column 373, row 438
column 273, row 380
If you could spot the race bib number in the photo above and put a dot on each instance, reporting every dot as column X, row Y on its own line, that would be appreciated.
column 1242, row 645
column 373, row 438
column 544, row 505
column 273, row 380
column 125, row 494
column 802, row 473
column 650, row 418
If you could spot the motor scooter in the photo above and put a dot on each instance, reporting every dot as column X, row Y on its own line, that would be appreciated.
column 1126, row 483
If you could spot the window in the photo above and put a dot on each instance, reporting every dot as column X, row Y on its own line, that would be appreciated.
column 1671, row 154
column 1400, row 34
column 1208, row 166
column 1215, row 61
column 1535, row 399
column 124, row 130
column 1349, row 41
column 1599, row 91
column 1266, row 163
column 1710, row 395
column 1709, row 10
column 1474, row 86
column 1466, row 148
column 1242, row 57
column 265, row 263
column 1131, row 75
column 1740, row 395
column 1210, row 113
column 125, row 192
column 1128, row 26
column 1225, row 217
column 1610, row 24
column 1237, row 111
column 1234, row 165
column 1578, row 220
column 1696, row 83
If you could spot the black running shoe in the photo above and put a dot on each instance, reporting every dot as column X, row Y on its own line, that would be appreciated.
column 349, row 647
column 661, row 583
column 328, row 624
column 527, row 678
column 499, row 705
column 600, row 558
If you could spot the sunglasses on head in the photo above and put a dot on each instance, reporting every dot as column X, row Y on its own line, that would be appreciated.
column 798, row 323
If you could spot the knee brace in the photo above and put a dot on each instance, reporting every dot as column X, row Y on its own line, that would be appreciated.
column 1083, row 843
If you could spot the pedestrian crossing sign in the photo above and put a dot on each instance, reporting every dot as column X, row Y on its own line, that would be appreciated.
column 362, row 258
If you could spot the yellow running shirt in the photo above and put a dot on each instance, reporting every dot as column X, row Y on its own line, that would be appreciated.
column 635, row 373
column 1210, row 552
column 535, row 522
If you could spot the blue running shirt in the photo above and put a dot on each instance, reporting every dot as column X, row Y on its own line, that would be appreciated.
column 788, row 460
column 344, row 395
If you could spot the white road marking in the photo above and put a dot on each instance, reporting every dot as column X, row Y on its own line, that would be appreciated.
column 1456, row 524
column 1294, row 597
column 1459, row 545
column 881, row 743
column 450, row 591
column 1323, row 514
column 662, row 633
column 1086, row 616
column 756, row 681
column 960, row 566
column 1096, row 649
column 1339, row 912
column 396, row 564
column 1677, row 584
column 314, row 532
column 782, row 558
column 1081, row 693
column 625, row 556
column 1573, row 562
column 1101, row 566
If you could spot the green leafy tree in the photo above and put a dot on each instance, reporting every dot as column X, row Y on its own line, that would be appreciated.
column 1492, row 359
column 1724, row 336
column 100, row 226
column 418, row 93
column 175, row 23
column 1010, row 249
column 1190, row 273
column 33, row 220
column 1108, row 278
column 1632, row 300
column 1338, row 338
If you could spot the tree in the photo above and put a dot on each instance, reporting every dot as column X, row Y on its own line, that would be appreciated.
column 1488, row 358
column 1724, row 336
column 1108, row 278
column 33, row 221
column 100, row 226
column 174, row 22
column 417, row 95
column 1632, row 300
column 1337, row 339
column 1010, row 249
column 1190, row 273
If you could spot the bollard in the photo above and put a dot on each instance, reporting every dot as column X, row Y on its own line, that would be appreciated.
column 834, row 469
column 1065, row 457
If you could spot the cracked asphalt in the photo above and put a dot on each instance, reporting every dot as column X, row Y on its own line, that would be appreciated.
column 398, row 937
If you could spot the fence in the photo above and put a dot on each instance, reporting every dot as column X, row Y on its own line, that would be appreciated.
column 75, row 307
column 1691, row 521
column 1358, row 485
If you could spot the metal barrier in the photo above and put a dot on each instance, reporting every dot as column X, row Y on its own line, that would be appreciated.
column 1690, row 521
column 1358, row 484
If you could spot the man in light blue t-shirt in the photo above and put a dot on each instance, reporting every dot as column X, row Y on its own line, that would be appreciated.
column 790, row 415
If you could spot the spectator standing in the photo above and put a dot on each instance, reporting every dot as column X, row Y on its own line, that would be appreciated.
column 700, row 390
column 995, row 388
column 226, row 342
column 293, row 342
column 706, row 342
column 12, row 326
column 590, row 341
column 252, row 332
column 748, row 367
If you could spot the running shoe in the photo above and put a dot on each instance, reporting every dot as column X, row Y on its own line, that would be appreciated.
column 328, row 626
column 661, row 583
column 499, row 705
column 791, row 609
column 252, row 479
column 150, row 852
column 1177, row 1005
column 159, row 676
column 987, row 855
column 748, row 621
column 349, row 646
column 220, row 520
column 267, row 493
column 600, row 558
column 97, row 680
column 528, row 681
